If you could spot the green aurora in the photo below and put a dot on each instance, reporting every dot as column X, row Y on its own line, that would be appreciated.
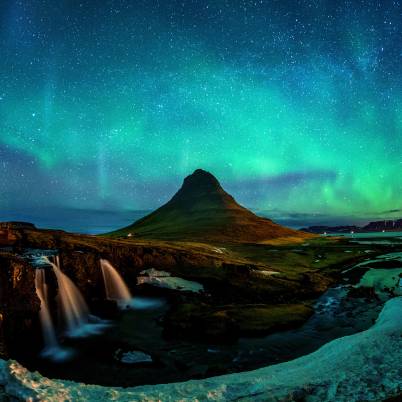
column 294, row 108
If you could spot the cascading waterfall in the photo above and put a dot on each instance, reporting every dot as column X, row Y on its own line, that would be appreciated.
column 49, row 334
column 52, row 348
column 73, row 307
column 115, row 287
column 74, row 310
column 117, row 290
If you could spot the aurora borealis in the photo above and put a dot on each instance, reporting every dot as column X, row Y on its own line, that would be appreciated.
column 296, row 106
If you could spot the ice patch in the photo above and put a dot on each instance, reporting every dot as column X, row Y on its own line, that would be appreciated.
column 382, row 279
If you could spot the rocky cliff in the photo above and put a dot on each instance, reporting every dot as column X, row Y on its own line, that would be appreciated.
column 19, row 305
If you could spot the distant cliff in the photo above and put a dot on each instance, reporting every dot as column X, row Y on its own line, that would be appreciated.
column 384, row 225
column 376, row 226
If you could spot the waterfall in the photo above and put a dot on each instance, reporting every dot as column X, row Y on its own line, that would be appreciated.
column 49, row 335
column 115, row 287
column 52, row 348
column 73, row 307
column 74, row 310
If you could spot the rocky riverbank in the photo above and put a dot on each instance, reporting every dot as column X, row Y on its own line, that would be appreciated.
column 364, row 366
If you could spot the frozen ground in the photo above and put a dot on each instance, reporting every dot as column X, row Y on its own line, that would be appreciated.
column 364, row 366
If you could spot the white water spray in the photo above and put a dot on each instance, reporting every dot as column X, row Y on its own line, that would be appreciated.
column 52, row 348
column 74, row 310
column 49, row 335
column 73, row 307
column 115, row 287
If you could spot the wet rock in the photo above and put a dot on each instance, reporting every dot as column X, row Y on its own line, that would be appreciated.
column 152, row 272
column 19, row 305
column 132, row 357
column 363, row 292
column 172, row 283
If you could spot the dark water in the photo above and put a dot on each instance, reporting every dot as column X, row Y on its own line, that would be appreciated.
column 369, row 235
column 95, row 362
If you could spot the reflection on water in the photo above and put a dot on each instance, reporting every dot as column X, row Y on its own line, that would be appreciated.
column 146, row 303
column 396, row 235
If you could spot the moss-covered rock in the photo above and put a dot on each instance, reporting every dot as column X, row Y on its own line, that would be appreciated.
column 227, row 323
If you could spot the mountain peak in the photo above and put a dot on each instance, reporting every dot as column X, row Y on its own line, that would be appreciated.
column 201, row 179
column 201, row 190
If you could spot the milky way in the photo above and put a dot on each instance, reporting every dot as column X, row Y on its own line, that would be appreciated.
column 295, row 106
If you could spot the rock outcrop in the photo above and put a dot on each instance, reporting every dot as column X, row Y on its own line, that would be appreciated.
column 19, row 305
column 12, row 232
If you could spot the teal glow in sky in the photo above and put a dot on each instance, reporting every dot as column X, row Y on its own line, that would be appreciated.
column 296, row 106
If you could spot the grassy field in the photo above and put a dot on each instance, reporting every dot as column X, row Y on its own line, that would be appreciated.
column 249, row 287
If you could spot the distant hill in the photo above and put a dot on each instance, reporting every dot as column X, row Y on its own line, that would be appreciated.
column 376, row 226
column 203, row 210
column 390, row 225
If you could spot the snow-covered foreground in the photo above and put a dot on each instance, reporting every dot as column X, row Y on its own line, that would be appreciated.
column 364, row 366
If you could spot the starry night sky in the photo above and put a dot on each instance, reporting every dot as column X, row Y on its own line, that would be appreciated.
column 296, row 106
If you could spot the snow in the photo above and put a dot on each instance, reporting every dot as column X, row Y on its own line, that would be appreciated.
column 163, row 279
column 364, row 366
column 382, row 279
column 152, row 272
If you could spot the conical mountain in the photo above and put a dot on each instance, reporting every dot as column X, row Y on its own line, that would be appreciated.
column 203, row 210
